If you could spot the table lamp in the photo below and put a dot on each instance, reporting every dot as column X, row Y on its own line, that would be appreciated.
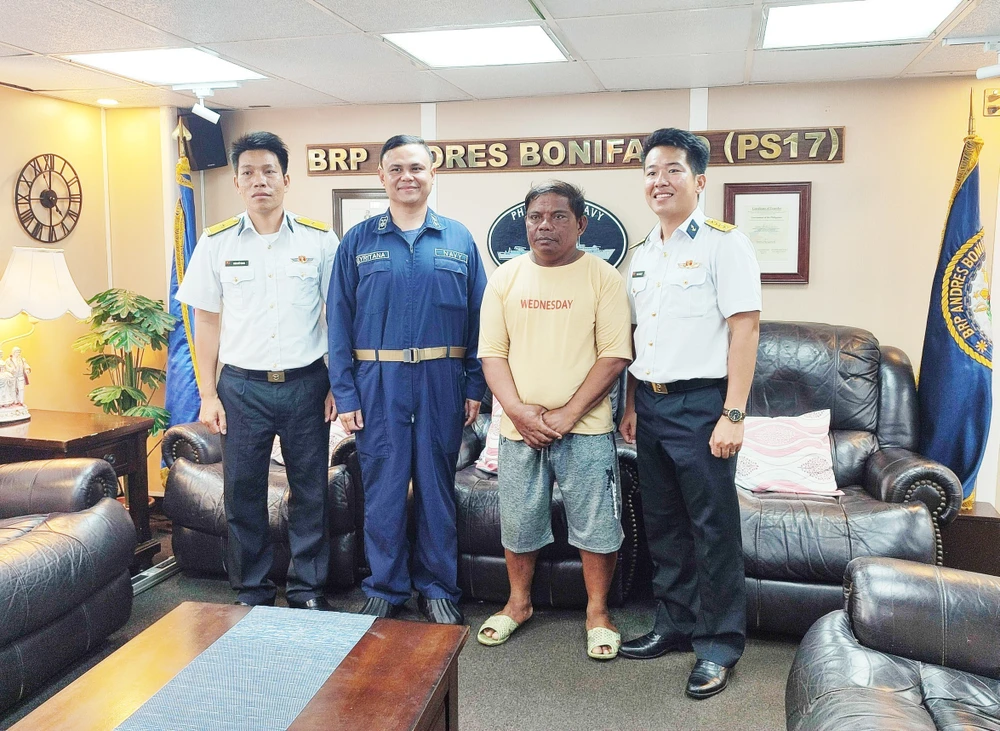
column 38, row 283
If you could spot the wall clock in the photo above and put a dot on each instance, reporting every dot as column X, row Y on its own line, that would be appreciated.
column 48, row 198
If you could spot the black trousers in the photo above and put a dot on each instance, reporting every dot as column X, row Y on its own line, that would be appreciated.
column 692, row 521
column 256, row 411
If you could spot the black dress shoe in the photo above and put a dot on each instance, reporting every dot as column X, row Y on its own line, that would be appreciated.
column 241, row 603
column 652, row 645
column 317, row 604
column 376, row 606
column 707, row 679
column 440, row 611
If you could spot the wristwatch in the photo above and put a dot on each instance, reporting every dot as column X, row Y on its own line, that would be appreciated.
column 734, row 415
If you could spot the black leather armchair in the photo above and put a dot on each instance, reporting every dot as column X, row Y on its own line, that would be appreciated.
column 796, row 547
column 65, row 550
column 915, row 647
column 193, row 500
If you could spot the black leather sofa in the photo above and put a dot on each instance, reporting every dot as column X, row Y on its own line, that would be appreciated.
column 796, row 547
column 65, row 550
column 193, row 501
column 915, row 647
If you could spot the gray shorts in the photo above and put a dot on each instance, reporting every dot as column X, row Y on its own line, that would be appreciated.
column 586, row 468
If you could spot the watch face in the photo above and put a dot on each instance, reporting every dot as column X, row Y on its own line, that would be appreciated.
column 735, row 415
column 48, row 198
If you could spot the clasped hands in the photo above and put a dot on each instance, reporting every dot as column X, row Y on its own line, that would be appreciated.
column 539, row 427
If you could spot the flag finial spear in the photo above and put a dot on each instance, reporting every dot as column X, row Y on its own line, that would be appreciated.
column 972, row 118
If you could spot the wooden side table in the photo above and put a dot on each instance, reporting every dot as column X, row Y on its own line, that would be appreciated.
column 972, row 540
column 119, row 440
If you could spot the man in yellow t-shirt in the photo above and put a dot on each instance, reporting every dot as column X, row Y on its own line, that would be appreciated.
column 554, row 335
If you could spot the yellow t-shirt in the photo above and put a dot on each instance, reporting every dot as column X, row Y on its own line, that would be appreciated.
column 552, row 324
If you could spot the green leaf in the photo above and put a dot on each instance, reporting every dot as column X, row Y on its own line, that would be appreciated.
column 159, row 415
column 105, row 395
column 125, row 335
column 135, row 393
column 151, row 378
column 102, row 363
column 92, row 342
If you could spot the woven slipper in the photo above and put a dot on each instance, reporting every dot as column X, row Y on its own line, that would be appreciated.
column 503, row 625
column 601, row 637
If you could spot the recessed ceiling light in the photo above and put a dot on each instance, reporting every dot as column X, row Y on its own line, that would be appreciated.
column 107, row 102
column 856, row 22
column 479, row 46
column 166, row 66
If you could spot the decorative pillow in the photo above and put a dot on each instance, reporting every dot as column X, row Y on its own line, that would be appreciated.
column 490, row 457
column 337, row 434
column 787, row 454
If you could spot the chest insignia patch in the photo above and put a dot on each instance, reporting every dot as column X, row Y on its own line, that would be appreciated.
column 370, row 256
column 238, row 263
column 449, row 254
column 689, row 264
column 638, row 275
column 303, row 259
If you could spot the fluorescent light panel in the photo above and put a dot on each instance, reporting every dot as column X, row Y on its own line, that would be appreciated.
column 166, row 66
column 479, row 46
column 851, row 23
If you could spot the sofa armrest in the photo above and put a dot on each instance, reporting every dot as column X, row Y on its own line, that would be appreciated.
column 926, row 613
column 473, row 441
column 193, row 442
column 54, row 486
column 897, row 475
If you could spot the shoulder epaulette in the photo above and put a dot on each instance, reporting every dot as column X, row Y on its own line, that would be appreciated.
column 318, row 225
column 720, row 225
column 220, row 227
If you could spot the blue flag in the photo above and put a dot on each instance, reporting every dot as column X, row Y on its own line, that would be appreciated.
column 956, row 370
column 182, row 399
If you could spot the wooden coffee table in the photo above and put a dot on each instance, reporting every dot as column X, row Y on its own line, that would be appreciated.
column 401, row 675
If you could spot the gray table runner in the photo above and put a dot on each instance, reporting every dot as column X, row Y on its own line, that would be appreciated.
column 258, row 675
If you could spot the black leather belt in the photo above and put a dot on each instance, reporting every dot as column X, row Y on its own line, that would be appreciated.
column 276, row 376
column 689, row 385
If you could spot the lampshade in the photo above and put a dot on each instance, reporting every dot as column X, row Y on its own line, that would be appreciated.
column 37, row 281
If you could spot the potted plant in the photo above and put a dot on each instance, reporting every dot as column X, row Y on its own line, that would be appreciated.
column 123, row 324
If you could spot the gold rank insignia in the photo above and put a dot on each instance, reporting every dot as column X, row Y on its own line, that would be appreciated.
column 318, row 225
column 220, row 227
column 720, row 225
column 689, row 264
column 303, row 259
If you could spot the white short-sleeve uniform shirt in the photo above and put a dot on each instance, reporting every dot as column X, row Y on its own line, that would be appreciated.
column 270, row 290
column 681, row 291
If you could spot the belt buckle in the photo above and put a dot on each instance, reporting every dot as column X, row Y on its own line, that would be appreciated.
column 658, row 387
column 275, row 376
column 411, row 355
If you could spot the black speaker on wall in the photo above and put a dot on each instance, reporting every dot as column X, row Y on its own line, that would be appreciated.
column 206, row 147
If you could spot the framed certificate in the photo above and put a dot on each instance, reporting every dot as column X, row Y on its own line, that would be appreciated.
column 775, row 217
column 351, row 207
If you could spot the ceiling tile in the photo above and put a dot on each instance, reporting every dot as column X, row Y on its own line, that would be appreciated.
column 145, row 96
column 671, row 72
column 273, row 93
column 310, row 59
column 496, row 82
column 399, row 87
column 832, row 64
column 591, row 8
column 231, row 20
column 41, row 73
column 659, row 34
column 71, row 26
column 382, row 16
column 984, row 20
column 952, row 59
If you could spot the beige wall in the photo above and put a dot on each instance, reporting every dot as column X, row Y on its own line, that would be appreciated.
column 876, row 218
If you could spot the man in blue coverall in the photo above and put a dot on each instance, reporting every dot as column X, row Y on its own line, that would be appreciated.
column 403, row 315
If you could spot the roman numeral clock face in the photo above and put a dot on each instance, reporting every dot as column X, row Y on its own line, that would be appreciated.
column 48, row 198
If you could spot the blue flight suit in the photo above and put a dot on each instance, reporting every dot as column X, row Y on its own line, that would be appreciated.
column 386, row 293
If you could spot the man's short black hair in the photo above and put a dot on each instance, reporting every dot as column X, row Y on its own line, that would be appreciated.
column 577, row 203
column 694, row 147
column 399, row 140
column 259, row 141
